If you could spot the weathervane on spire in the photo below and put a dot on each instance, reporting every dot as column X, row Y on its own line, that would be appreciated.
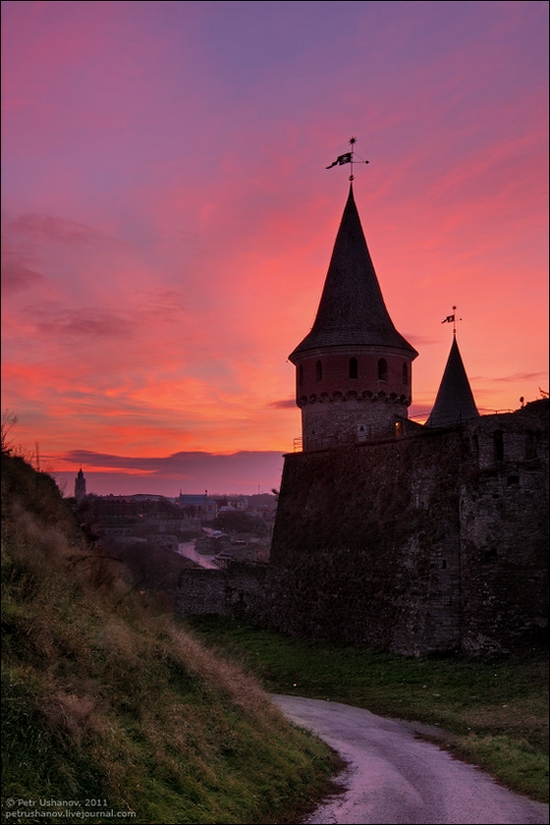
column 348, row 157
column 452, row 319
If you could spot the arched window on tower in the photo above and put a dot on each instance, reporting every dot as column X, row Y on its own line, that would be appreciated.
column 353, row 368
column 405, row 373
column 318, row 371
column 382, row 370
column 300, row 375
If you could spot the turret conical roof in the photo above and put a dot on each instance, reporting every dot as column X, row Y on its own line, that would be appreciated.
column 455, row 401
column 352, row 310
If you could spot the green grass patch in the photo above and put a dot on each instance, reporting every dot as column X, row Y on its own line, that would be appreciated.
column 492, row 713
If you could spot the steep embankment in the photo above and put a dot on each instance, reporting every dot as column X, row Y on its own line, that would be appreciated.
column 110, row 706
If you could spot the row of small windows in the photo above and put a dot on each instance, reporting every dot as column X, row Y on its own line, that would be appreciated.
column 530, row 449
column 498, row 442
column 353, row 371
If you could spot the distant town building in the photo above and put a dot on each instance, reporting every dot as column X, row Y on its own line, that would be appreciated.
column 200, row 506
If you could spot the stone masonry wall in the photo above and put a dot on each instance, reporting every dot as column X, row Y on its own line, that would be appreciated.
column 202, row 592
column 348, row 419
column 237, row 591
column 424, row 544
column 369, row 539
column 504, row 531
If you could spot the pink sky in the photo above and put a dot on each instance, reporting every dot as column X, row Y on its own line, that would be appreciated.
column 168, row 219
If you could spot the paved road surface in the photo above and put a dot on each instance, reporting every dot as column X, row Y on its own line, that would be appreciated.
column 187, row 549
column 394, row 777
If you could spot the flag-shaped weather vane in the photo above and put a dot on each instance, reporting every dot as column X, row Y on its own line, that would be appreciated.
column 347, row 157
column 452, row 319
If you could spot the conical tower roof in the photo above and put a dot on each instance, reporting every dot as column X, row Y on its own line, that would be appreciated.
column 455, row 401
column 352, row 311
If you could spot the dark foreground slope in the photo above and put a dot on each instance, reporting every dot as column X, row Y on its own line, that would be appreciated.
column 109, row 706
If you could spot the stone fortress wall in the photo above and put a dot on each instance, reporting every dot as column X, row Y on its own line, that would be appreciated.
column 429, row 543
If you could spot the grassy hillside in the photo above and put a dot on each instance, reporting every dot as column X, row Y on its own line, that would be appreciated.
column 109, row 705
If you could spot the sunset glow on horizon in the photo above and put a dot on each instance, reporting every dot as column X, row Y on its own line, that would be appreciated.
column 168, row 218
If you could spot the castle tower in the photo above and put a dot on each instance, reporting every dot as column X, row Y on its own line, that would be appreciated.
column 353, row 369
column 79, row 486
column 454, row 402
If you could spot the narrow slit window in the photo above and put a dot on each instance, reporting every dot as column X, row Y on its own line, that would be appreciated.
column 382, row 370
column 499, row 445
column 530, row 445
column 318, row 371
column 405, row 373
column 353, row 368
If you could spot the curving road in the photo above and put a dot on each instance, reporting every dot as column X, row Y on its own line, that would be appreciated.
column 394, row 777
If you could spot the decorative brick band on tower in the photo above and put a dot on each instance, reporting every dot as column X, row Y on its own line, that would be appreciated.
column 353, row 370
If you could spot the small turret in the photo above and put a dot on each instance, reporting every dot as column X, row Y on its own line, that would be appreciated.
column 454, row 402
